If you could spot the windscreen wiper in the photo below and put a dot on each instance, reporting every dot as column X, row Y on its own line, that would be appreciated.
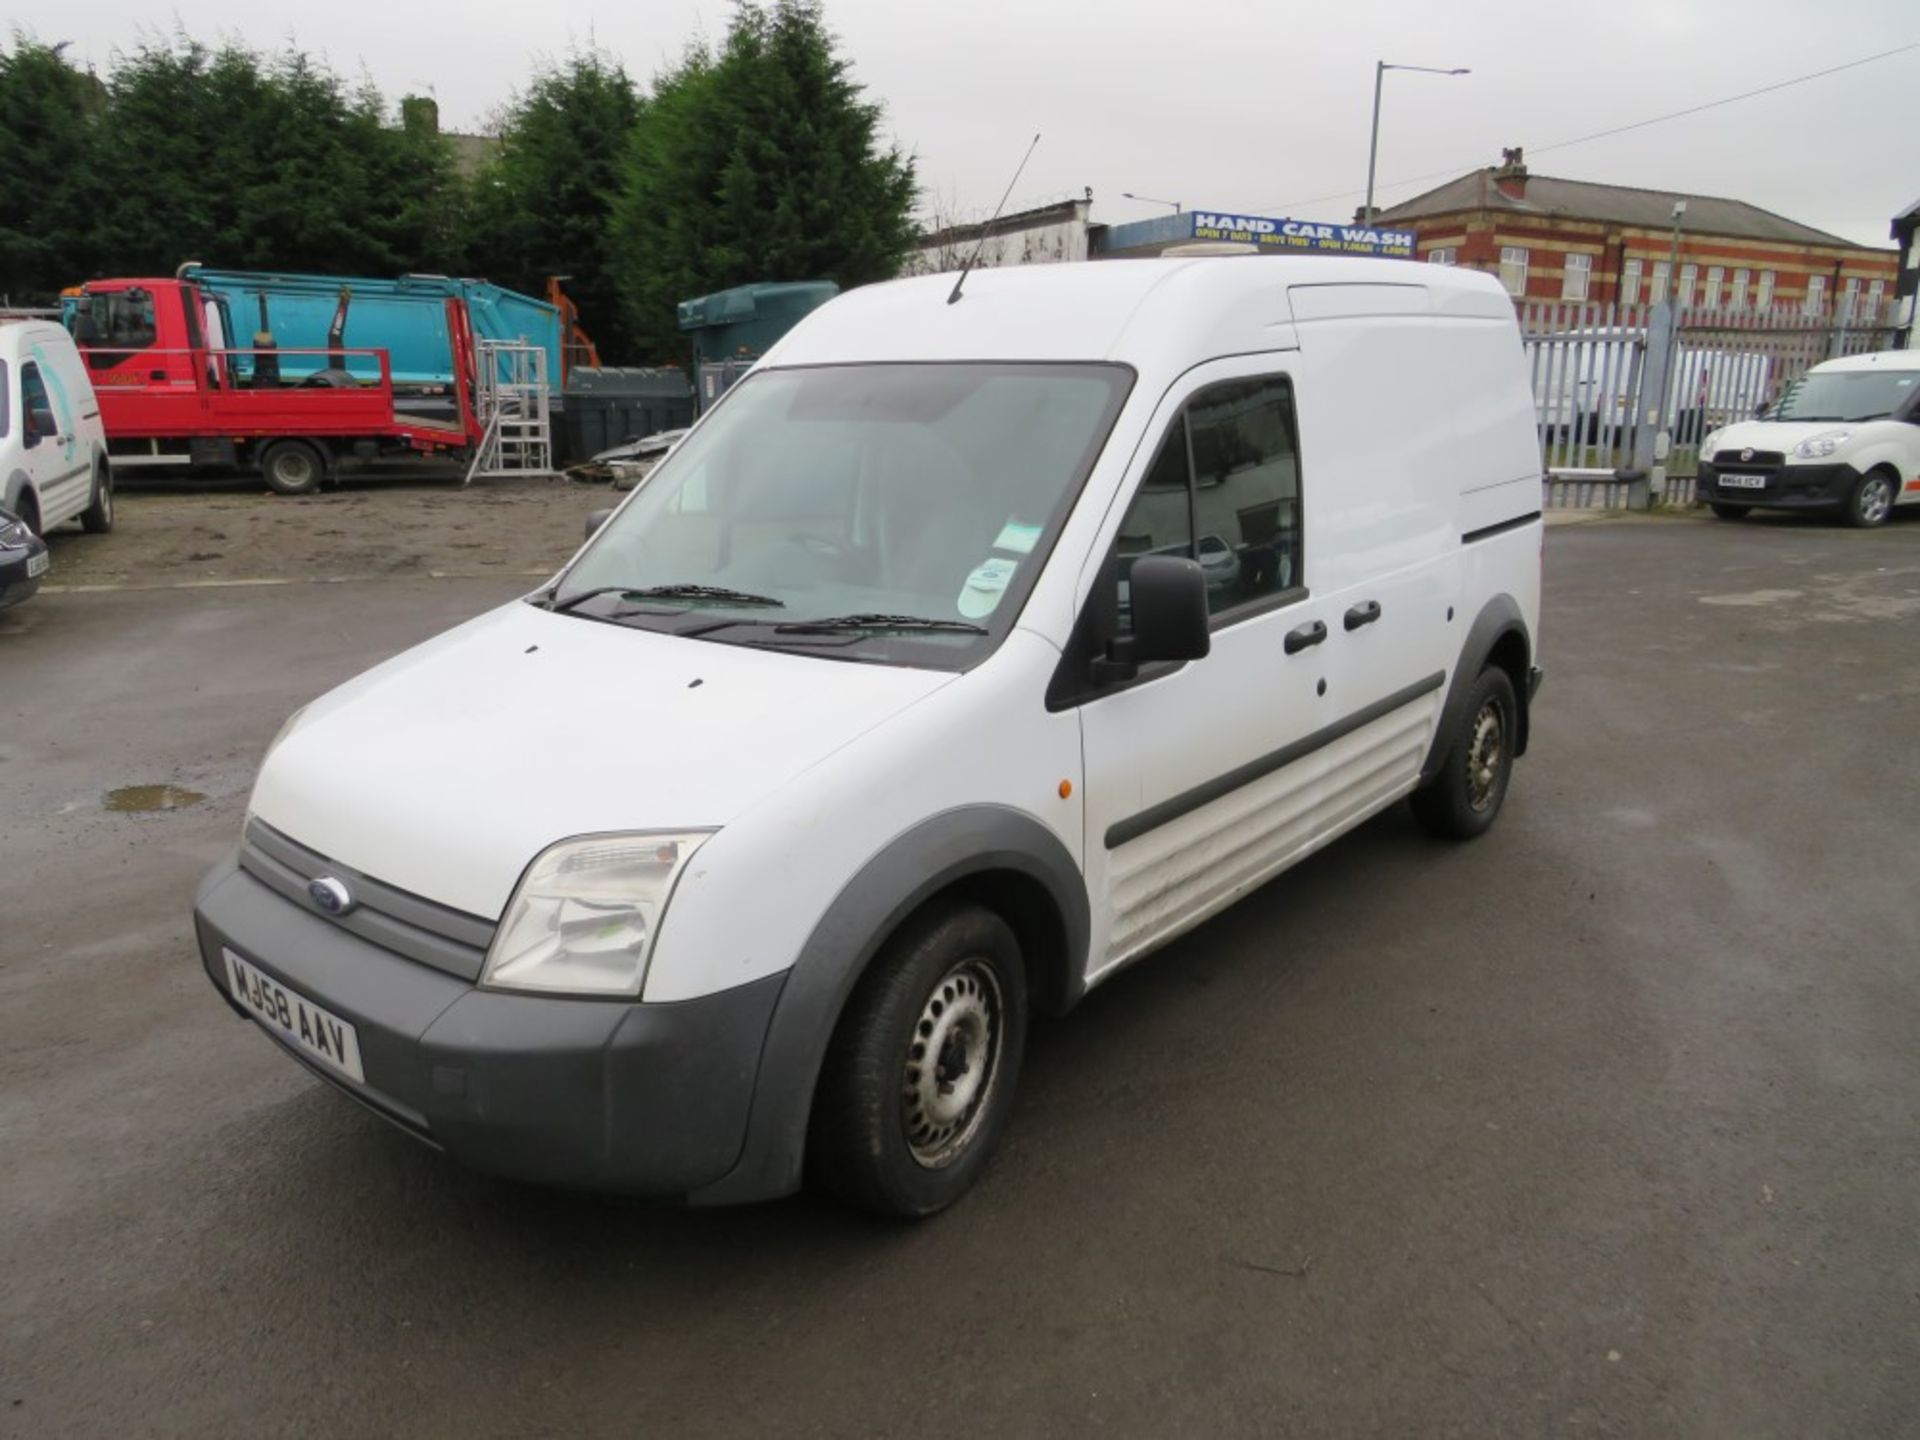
column 670, row 592
column 829, row 623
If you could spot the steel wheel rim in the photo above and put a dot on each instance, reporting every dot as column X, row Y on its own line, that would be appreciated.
column 1485, row 752
column 1875, row 500
column 106, row 499
column 292, row 467
column 953, row 1062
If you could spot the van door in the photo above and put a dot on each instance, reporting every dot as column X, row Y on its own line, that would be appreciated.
column 58, row 467
column 1204, row 779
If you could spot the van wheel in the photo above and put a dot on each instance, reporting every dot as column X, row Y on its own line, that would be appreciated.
column 292, row 467
column 1730, row 512
column 920, row 1076
column 97, row 518
column 1871, row 500
column 1463, row 800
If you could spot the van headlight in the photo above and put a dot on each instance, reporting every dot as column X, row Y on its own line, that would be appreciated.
column 584, row 917
column 1825, row 443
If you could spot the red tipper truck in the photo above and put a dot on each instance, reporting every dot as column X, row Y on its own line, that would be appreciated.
column 176, row 392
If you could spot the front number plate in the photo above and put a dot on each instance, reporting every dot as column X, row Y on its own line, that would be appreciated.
column 1743, row 482
column 296, row 1019
column 36, row 565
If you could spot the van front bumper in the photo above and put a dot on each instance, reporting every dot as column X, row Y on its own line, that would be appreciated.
column 1788, row 487
column 643, row 1099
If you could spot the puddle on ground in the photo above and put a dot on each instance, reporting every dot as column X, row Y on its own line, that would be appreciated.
column 140, row 799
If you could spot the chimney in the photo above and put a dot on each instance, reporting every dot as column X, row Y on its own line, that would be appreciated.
column 420, row 115
column 1511, row 177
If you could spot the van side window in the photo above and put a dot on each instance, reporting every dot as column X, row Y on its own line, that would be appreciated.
column 1160, row 520
column 1225, row 490
column 36, row 410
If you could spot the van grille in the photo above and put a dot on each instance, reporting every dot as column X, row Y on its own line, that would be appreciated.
column 1735, row 459
column 424, row 930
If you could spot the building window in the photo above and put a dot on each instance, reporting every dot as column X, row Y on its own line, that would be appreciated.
column 1443, row 255
column 1739, row 297
column 1765, row 298
column 1513, row 269
column 1876, row 292
column 1661, row 274
column 1688, row 274
column 1630, row 283
column 1816, row 294
column 1578, row 276
column 1716, row 276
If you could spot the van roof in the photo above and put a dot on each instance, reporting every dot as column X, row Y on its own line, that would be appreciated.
column 1155, row 315
column 1878, row 360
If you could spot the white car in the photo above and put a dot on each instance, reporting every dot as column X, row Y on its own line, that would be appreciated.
column 897, row 766
column 53, row 451
column 1844, row 438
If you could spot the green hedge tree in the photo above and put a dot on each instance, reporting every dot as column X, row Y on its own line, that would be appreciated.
column 544, row 205
column 758, row 161
column 49, row 199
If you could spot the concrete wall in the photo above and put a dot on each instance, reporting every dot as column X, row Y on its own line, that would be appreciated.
column 1053, row 234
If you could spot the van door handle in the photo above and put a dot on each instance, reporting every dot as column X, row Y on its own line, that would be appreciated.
column 1301, row 637
column 1365, row 613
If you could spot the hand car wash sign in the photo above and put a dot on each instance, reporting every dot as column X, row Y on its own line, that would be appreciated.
column 1301, row 236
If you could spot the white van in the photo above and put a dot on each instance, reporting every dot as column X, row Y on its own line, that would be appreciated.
column 1844, row 438
column 966, row 652
column 53, row 452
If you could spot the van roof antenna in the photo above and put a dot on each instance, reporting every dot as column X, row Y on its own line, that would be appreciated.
column 984, row 229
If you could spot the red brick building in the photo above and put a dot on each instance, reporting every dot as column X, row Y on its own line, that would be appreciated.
column 1553, row 239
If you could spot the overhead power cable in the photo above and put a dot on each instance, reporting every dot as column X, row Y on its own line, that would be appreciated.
column 1619, row 129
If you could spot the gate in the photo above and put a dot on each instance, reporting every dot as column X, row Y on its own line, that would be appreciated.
column 1611, row 383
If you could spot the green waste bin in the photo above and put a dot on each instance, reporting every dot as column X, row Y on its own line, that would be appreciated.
column 733, row 328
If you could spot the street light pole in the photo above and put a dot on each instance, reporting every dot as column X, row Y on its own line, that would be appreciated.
column 1380, row 68
column 1150, row 200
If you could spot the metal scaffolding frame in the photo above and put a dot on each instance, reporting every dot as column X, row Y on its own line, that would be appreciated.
column 512, row 397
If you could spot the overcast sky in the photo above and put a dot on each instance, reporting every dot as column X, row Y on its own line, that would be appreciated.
column 1259, row 106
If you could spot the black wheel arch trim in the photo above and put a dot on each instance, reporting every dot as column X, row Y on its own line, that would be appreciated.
column 1498, row 618
column 933, row 856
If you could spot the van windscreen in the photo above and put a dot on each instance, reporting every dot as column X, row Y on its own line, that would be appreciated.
column 894, row 512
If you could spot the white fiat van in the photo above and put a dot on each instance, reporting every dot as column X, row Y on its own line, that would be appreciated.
column 53, row 452
column 1845, row 438
column 969, row 650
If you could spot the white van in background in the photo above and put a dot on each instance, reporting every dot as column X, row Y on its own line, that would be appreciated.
column 978, row 643
column 53, row 451
column 1845, row 438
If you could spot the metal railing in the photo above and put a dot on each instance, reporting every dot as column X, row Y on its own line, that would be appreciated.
column 1624, row 394
column 223, row 371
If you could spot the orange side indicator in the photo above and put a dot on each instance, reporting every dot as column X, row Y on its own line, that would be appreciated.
column 1066, row 788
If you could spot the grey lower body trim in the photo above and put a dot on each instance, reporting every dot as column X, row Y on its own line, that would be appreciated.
column 1187, row 801
column 642, row 1099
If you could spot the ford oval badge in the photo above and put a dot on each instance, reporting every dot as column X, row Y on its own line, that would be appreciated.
column 331, row 895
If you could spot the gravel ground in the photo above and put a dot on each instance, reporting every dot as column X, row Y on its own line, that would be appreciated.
column 424, row 525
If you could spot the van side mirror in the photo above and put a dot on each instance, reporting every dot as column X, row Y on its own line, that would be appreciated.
column 39, row 426
column 1763, row 410
column 595, row 520
column 1167, row 595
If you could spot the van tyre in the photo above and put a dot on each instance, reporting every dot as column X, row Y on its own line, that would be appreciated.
column 1463, row 799
column 292, row 467
column 97, row 518
column 1870, row 501
column 921, row 1072
column 1730, row 512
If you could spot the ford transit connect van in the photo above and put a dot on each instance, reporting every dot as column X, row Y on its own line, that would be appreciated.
column 53, row 452
column 1845, row 439
column 966, row 652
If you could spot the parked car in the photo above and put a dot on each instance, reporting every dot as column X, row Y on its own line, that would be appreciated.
column 23, row 560
column 53, row 453
column 1845, row 437
column 945, row 706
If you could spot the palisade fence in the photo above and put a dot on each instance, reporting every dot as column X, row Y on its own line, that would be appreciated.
column 1600, row 371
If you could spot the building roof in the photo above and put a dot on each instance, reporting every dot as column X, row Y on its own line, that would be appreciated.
column 1617, row 204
